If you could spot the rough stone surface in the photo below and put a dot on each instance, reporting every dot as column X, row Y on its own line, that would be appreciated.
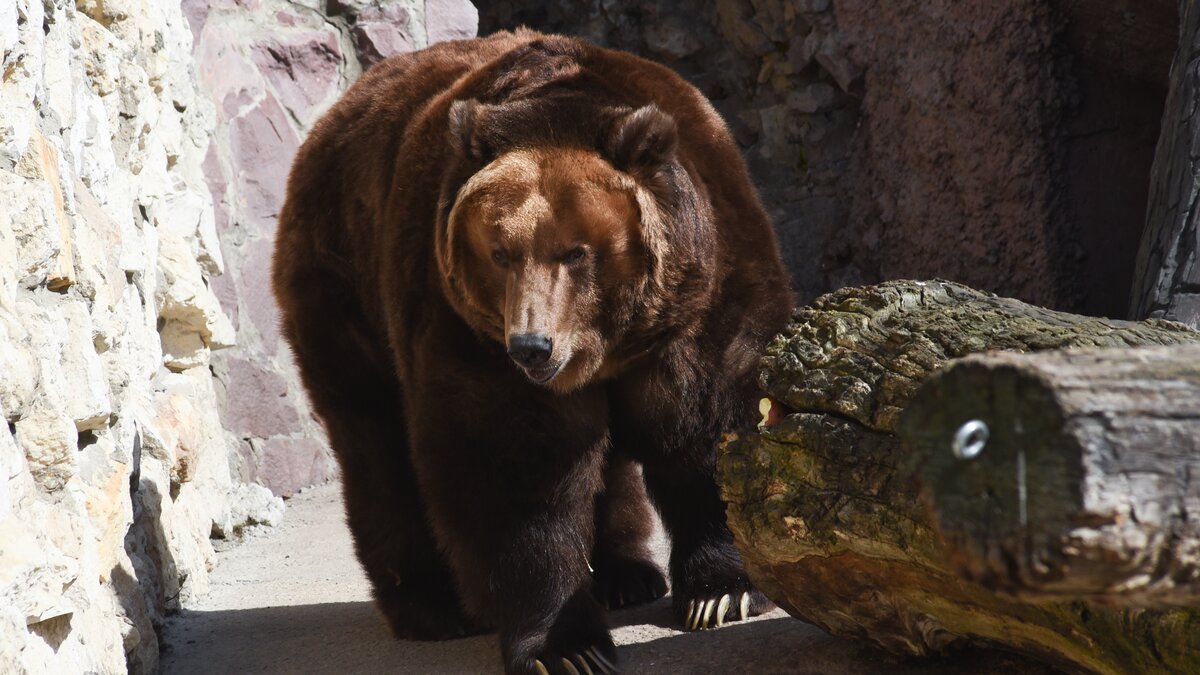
column 777, row 73
column 1004, row 144
column 114, row 467
column 270, row 68
column 144, row 148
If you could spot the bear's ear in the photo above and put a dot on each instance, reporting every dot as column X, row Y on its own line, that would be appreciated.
column 642, row 140
column 464, row 130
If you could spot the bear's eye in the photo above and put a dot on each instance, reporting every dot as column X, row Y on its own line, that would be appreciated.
column 499, row 258
column 574, row 256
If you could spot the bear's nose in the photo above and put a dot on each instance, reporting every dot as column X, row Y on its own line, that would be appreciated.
column 530, row 350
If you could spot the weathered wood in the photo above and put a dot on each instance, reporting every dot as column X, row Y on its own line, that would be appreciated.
column 1166, row 274
column 1087, row 485
column 825, row 508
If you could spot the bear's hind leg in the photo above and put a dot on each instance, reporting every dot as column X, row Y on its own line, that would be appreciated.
column 410, row 581
column 624, row 571
column 353, row 387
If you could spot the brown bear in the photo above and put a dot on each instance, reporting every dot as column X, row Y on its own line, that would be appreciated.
column 527, row 280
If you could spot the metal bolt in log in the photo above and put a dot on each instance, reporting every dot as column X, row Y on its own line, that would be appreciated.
column 1090, row 487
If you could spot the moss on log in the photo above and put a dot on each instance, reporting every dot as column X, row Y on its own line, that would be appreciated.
column 825, row 506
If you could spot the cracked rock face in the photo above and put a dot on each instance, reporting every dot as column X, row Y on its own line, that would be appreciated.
column 146, row 400
column 115, row 466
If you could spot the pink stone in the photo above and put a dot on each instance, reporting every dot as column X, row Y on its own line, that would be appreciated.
column 196, row 13
column 288, row 464
column 302, row 69
column 262, row 145
column 254, row 289
column 224, row 286
column 380, row 32
column 450, row 20
column 249, row 461
column 257, row 402
column 214, row 176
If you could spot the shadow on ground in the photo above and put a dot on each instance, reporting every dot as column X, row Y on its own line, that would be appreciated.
column 294, row 600
column 349, row 637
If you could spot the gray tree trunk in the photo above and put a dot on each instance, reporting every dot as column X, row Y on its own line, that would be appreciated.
column 1167, row 276
column 1067, row 475
column 824, row 503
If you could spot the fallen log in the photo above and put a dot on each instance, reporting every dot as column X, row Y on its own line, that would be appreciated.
column 1067, row 475
column 824, row 504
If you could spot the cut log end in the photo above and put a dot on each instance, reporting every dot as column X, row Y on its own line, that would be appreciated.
column 1083, row 489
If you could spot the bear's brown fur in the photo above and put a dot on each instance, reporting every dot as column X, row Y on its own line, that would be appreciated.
column 583, row 213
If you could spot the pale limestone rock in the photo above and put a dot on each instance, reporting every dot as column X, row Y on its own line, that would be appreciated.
column 48, row 438
column 86, row 387
column 115, row 468
column 9, row 32
column 18, row 368
column 100, row 129
column 70, row 374
column 58, row 91
column 32, row 218
column 44, row 164
column 195, row 322
column 17, row 90
column 249, row 504
column 188, row 214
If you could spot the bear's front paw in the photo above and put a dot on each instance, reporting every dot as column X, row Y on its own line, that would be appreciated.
column 590, row 662
column 704, row 612
column 577, row 644
column 711, row 588
column 624, row 582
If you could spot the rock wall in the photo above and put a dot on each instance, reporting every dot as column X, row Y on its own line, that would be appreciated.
column 1003, row 144
column 114, row 472
column 777, row 73
column 144, row 146
column 270, row 68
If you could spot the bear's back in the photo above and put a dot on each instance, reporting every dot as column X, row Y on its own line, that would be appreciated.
column 366, row 184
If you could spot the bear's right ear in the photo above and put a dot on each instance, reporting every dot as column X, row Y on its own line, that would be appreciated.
column 464, row 130
column 641, row 141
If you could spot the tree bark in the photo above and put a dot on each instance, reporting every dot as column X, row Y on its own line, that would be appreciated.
column 1074, row 475
column 824, row 504
column 1166, row 275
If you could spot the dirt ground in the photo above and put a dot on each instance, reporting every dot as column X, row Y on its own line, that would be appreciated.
column 293, row 600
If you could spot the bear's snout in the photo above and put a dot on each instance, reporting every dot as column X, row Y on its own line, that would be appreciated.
column 531, row 351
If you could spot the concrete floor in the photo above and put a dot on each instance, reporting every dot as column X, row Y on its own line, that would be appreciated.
column 293, row 600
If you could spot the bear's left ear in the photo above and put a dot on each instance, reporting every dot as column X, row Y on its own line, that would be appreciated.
column 464, row 130
column 641, row 141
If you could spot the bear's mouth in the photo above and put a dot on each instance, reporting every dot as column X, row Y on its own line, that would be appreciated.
column 544, row 374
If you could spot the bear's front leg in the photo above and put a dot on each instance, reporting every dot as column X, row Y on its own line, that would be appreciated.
column 709, row 584
column 665, row 421
column 509, row 472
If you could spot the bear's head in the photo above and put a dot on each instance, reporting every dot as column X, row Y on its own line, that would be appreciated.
column 572, row 249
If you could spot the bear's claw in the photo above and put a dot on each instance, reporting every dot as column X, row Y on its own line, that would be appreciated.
column 590, row 662
column 708, row 613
